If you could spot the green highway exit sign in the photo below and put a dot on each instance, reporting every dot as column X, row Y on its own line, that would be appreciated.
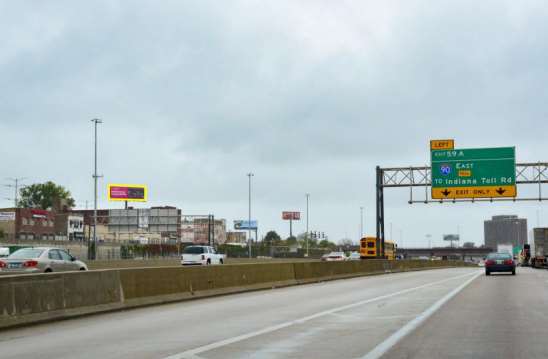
column 474, row 173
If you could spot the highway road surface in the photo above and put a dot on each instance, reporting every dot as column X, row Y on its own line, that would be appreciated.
column 445, row 313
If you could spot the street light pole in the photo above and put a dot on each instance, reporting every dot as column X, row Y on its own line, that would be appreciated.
column 307, row 233
column 361, row 223
column 249, row 217
column 93, row 253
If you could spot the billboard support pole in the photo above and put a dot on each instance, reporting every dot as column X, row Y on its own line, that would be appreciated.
column 209, row 229
column 291, row 228
column 307, row 232
column 249, row 216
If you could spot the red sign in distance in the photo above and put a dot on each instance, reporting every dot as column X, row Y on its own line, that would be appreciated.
column 295, row 216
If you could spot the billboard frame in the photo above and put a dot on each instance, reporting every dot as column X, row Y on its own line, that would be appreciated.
column 139, row 186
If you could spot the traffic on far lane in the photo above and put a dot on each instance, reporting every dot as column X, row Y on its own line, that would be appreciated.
column 40, row 260
column 500, row 262
column 201, row 255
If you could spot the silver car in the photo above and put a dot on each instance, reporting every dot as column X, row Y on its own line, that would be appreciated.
column 40, row 260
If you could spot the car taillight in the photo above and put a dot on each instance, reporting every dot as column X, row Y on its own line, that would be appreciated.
column 508, row 262
column 203, row 257
column 29, row 264
column 489, row 262
column 3, row 264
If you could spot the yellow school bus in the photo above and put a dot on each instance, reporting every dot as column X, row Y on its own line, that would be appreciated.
column 370, row 248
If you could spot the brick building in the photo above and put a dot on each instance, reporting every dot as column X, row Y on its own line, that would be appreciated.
column 27, row 224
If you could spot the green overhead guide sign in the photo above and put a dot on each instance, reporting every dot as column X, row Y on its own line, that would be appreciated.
column 474, row 173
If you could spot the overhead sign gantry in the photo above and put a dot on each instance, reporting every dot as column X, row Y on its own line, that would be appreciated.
column 461, row 175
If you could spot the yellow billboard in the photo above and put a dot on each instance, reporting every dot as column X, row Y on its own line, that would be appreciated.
column 127, row 192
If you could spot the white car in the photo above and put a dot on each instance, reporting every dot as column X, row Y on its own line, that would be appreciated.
column 201, row 255
column 334, row 257
column 354, row 256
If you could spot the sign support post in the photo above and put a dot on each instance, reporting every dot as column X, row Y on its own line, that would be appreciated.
column 380, row 209
column 291, row 228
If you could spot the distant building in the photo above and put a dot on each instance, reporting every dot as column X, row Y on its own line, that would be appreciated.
column 236, row 237
column 69, row 226
column 505, row 230
column 202, row 230
column 27, row 224
column 143, row 225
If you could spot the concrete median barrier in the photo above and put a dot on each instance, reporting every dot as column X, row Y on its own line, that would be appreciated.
column 321, row 271
column 158, row 285
column 35, row 298
column 26, row 299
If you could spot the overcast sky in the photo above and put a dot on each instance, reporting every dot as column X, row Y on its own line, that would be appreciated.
column 308, row 95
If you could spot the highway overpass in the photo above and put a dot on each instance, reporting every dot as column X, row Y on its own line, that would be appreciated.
column 445, row 252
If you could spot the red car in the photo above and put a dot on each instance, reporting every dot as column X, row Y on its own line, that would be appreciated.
column 500, row 262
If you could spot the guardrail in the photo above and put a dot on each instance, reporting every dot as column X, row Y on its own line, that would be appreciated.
column 26, row 299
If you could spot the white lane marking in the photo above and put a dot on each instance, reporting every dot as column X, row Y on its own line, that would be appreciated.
column 192, row 353
column 392, row 340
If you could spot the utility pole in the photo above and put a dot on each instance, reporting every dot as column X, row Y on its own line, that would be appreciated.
column 250, row 174
column 307, row 233
column 93, row 253
column 361, row 223
column 16, row 186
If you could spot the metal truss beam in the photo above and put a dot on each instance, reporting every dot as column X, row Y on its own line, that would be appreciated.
column 411, row 177
column 526, row 173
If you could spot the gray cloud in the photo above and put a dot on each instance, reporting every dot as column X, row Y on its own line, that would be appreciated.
column 310, row 96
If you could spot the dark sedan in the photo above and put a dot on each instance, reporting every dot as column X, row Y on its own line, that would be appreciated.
column 500, row 262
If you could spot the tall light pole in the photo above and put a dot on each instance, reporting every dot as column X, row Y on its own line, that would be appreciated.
column 250, row 174
column 361, row 223
column 307, row 232
column 16, row 187
column 93, row 253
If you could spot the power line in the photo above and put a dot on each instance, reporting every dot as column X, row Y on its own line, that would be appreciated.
column 16, row 186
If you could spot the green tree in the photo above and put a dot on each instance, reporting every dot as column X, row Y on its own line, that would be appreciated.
column 346, row 242
column 324, row 243
column 272, row 238
column 44, row 196
column 291, row 241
